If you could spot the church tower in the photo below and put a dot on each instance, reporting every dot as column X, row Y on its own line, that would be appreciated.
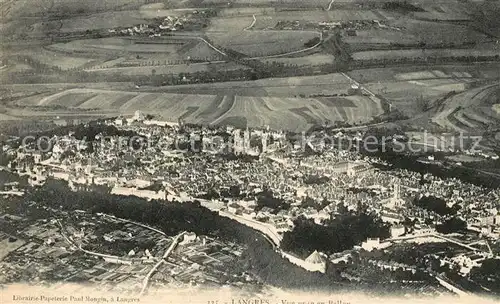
column 237, row 144
column 246, row 141
column 264, row 142
column 396, row 200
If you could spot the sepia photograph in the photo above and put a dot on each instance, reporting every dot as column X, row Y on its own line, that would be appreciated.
column 249, row 151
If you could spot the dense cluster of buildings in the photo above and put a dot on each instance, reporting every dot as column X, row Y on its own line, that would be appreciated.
column 235, row 169
column 195, row 19
column 350, row 26
column 170, row 24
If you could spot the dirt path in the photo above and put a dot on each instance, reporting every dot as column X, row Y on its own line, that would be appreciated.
column 330, row 5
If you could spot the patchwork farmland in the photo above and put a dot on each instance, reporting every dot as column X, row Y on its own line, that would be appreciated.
column 297, row 114
column 423, row 53
column 122, row 40
column 470, row 111
column 329, row 84
column 108, row 53
column 413, row 90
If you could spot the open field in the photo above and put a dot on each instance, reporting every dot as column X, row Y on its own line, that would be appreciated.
column 314, row 59
column 18, row 67
column 328, row 84
column 261, row 43
column 246, row 11
column 333, row 15
column 108, row 53
column 97, row 21
column 405, row 95
column 232, row 24
column 28, row 8
column 36, row 18
column 62, row 61
column 408, row 89
column 288, row 3
column 118, row 44
column 167, row 48
column 438, row 32
column 169, row 69
column 480, row 70
column 4, row 117
column 451, row 11
column 422, row 53
column 254, row 111
column 380, row 36
column 162, row 10
column 237, row 29
column 23, row 90
column 407, row 31
column 266, row 19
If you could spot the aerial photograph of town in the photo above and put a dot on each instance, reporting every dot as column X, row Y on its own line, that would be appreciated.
column 262, row 151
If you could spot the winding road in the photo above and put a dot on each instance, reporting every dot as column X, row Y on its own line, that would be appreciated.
column 294, row 52
column 251, row 25
column 284, row 54
column 248, row 28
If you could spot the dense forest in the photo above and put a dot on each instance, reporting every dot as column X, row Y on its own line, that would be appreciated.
column 435, row 204
column 488, row 275
column 267, row 199
column 340, row 233
column 452, row 225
